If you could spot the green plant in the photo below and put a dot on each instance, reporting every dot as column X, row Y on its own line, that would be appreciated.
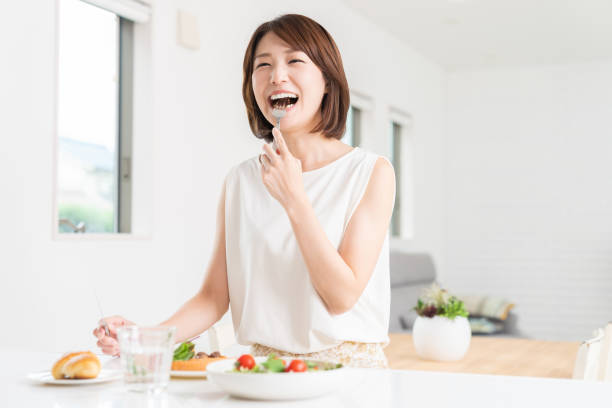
column 436, row 301
column 96, row 219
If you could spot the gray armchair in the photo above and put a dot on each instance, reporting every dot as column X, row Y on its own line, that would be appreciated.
column 410, row 274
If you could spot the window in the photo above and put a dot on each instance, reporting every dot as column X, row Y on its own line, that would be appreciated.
column 353, row 127
column 93, row 186
column 396, row 150
column 401, row 157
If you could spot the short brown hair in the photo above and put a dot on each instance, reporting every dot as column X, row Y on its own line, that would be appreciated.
column 306, row 35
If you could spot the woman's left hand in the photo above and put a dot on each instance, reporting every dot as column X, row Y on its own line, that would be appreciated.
column 281, row 172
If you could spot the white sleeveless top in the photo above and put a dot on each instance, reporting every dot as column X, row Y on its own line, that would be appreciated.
column 272, row 300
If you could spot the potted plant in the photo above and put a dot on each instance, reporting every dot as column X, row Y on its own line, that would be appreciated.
column 441, row 331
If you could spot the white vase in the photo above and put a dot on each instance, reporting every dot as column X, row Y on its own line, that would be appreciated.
column 440, row 338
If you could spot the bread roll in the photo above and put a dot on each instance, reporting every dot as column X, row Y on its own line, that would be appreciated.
column 80, row 365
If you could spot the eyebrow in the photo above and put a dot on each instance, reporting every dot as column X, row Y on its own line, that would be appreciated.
column 267, row 54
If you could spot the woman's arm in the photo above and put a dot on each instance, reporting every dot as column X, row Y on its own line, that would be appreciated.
column 338, row 275
column 211, row 302
column 198, row 313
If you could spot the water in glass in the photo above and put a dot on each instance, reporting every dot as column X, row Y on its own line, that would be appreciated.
column 146, row 357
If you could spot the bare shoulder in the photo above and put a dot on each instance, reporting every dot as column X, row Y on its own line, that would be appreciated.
column 382, row 180
column 383, row 171
column 380, row 192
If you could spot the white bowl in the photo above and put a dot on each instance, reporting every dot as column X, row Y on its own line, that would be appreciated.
column 278, row 386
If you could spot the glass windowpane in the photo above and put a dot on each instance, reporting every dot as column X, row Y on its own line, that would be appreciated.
column 87, row 117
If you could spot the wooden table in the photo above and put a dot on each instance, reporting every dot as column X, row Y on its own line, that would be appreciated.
column 492, row 355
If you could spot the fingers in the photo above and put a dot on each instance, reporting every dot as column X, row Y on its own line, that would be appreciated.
column 265, row 161
column 280, row 141
column 113, row 323
column 275, row 147
column 270, row 153
column 106, row 342
column 112, row 328
column 112, row 350
column 98, row 332
column 102, row 325
column 109, row 344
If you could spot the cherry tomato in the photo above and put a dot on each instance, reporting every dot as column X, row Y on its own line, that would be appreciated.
column 297, row 366
column 247, row 361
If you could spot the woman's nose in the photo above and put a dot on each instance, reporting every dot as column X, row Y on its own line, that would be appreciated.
column 278, row 75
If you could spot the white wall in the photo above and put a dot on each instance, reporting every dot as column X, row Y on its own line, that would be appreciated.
column 529, row 204
column 191, row 128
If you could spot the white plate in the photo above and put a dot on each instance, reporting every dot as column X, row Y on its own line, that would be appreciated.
column 45, row 377
column 279, row 386
column 187, row 374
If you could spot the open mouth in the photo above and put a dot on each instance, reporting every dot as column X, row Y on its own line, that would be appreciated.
column 283, row 101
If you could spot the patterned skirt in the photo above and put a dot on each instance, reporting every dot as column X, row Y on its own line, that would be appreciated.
column 349, row 354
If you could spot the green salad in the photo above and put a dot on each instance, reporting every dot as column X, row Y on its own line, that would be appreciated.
column 246, row 364
column 184, row 352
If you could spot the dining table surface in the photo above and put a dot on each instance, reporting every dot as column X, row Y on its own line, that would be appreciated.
column 407, row 383
column 492, row 355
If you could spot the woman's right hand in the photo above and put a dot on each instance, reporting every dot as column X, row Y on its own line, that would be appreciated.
column 109, row 344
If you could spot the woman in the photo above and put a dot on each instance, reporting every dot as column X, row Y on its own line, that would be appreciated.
column 301, row 250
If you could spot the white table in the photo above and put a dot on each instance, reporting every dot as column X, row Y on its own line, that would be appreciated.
column 380, row 388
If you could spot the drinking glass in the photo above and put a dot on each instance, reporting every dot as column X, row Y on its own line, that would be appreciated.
column 146, row 357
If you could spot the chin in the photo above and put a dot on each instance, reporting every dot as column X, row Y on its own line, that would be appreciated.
column 294, row 125
column 290, row 127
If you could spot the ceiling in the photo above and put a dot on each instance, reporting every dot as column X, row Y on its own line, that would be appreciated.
column 472, row 34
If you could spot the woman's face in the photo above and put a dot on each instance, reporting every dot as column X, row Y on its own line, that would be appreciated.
column 279, row 70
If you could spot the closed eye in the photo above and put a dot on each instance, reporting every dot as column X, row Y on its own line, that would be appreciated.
column 265, row 63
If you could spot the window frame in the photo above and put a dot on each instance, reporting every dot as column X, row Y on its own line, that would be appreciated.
column 361, row 117
column 123, row 216
column 397, row 145
column 404, row 174
column 354, row 120
column 123, row 225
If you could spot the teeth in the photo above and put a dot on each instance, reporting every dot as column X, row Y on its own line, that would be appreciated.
column 283, row 95
column 284, row 108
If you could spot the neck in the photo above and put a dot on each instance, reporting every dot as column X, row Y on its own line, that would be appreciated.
column 313, row 149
